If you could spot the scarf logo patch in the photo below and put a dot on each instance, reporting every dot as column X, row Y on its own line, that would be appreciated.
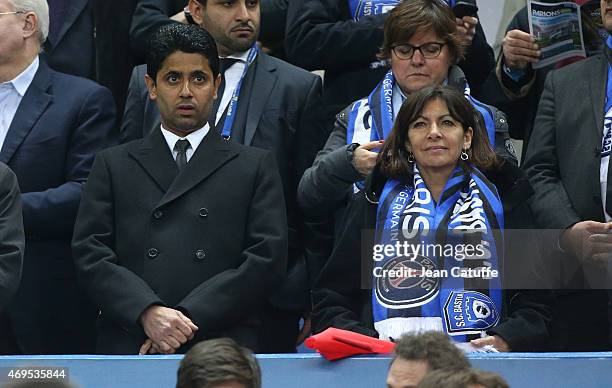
column 402, row 282
column 469, row 309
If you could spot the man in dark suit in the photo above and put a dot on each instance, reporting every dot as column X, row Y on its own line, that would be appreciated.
column 52, row 125
column 277, row 108
column 179, row 236
column 567, row 161
column 69, row 47
column 11, row 250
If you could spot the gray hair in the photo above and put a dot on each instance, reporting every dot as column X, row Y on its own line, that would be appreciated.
column 41, row 9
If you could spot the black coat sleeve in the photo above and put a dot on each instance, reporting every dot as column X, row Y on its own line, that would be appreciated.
column 338, row 300
column 149, row 16
column 322, row 35
column 479, row 61
column 120, row 293
column 13, row 240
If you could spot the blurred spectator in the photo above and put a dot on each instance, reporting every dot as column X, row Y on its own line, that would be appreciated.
column 207, row 214
column 266, row 103
column 336, row 36
column 52, row 124
column 515, row 87
column 471, row 378
column 417, row 355
column 219, row 363
column 568, row 164
column 11, row 250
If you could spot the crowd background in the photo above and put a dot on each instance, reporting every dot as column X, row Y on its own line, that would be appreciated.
column 289, row 112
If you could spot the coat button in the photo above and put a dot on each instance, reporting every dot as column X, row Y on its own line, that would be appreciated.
column 158, row 214
column 203, row 212
column 200, row 255
column 152, row 252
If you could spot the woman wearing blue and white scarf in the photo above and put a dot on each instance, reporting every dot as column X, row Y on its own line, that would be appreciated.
column 435, row 261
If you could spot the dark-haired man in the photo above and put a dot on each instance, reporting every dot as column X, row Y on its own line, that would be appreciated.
column 179, row 237
column 418, row 354
column 219, row 363
column 264, row 103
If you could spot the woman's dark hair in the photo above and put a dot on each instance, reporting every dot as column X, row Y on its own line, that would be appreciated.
column 393, row 158
column 410, row 17
column 187, row 38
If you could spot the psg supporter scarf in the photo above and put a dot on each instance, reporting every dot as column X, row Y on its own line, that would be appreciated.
column 361, row 8
column 442, row 272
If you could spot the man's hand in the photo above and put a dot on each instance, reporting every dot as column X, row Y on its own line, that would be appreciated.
column 495, row 340
column 364, row 159
column 167, row 328
column 520, row 49
column 466, row 29
column 588, row 240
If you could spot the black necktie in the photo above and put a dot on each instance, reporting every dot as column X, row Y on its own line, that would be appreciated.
column 181, row 148
column 224, row 64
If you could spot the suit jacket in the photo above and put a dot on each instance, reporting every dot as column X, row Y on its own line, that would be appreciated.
column 279, row 109
column 209, row 241
column 61, row 122
column 13, row 240
column 73, row 50
column 563, row 162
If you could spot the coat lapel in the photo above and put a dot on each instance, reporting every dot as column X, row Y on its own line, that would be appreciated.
column 156, row 159
column 35, row 101
column 263, row 83
column 210, row 155
column 74, row 9
column 597, row 85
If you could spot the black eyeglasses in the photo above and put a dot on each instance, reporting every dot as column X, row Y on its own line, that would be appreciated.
column 429, row 50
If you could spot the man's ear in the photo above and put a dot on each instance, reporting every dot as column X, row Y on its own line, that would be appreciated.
column 217, row 83
column 197, row 11
column 151, row 87
column 31, row 24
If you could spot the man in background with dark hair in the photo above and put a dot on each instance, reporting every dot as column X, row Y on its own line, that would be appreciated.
column 219, row 363
column 179, row 237
column 418, row 354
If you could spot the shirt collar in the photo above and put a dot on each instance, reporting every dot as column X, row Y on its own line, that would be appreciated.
column 22, row 82
column 241, row 56
column 194, row 138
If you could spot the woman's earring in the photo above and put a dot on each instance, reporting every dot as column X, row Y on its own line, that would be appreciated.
column 464, row 156
column 410, row 157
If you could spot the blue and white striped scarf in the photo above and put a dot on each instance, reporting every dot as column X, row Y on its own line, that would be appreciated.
column 470, row 212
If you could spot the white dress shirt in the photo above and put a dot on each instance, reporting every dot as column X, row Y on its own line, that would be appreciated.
column 232, row 77
column 194, row 139
column 11, row 94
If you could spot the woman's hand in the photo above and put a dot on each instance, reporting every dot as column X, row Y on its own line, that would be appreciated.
column 495, row 340
column 466, row 29
column 364, row 159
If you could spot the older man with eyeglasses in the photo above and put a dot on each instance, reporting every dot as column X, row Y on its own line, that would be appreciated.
column 51, row 126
